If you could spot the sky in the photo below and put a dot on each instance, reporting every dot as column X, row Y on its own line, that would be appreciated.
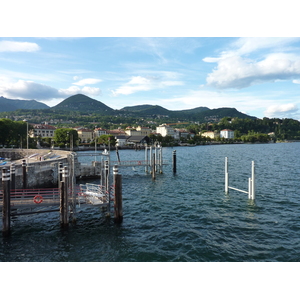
column 259, row 76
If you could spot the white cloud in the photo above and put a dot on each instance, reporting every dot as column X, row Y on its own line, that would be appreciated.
column 139, row 83
column 10, row 46
column 236, row 72
column 279, row 110
column 31, row 90
column 247, row 45
column 86, row 81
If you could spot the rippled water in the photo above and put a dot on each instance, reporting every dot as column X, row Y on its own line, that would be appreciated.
column 182, row 217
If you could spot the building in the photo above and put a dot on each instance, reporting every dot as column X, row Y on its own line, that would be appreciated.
column 165, row 130
column 85, row 135
column 211, row 134
column 138, row 140
column 43, row 130
column 121, row 140
column 143, row 130
column 99, row 131
column 227, row 134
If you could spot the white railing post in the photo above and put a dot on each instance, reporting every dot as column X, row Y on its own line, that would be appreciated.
column 249, row 188
column 253, row 182
column 226, row 175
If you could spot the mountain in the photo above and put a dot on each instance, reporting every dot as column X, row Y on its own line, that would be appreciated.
column 147, row 110
column 86, row 105
column 200, row 114
column 83, row 103
column 14, row 104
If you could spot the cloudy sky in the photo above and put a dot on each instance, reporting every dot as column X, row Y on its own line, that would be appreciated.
column 165, row 53
column 258, row 76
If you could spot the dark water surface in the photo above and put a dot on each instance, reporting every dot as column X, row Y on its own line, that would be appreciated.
column 184, row 217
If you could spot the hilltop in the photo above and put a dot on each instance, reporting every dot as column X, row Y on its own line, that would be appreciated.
column 83, row 103
column 15, row 104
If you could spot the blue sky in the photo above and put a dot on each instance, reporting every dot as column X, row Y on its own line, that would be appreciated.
column 125, row 53
column 258, row 76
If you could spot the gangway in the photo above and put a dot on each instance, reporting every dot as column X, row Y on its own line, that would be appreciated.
column 93, row 194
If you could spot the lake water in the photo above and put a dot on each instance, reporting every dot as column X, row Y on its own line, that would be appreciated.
column 184, row 217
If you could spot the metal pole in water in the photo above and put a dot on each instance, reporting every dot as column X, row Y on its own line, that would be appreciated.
column 118, row 207
column 161, row 160
column 6, row 201
column 65, row 204
column 174, row 161
column 107, row 189
column 253, row 182
column 226, row 175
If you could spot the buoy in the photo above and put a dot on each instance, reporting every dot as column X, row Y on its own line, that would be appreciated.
column 38, row 199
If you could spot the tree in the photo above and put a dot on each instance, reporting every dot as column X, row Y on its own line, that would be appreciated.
column 64, row 136
column 107, row 139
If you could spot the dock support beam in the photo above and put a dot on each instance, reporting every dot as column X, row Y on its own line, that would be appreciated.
column 118, row 205
column 6, row 202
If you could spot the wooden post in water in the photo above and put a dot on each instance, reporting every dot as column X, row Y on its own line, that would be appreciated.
column 118, row 205
column 6, row 202
column 64, row 205
column 174, row 161
column 13, row 176
column 146, row 158
column 60, row 171
column 153, row 166
column 24, row 178
column 107, row 188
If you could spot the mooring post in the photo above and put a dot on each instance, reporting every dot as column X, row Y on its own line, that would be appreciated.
column 146, row 159
column 107, row 187
column 150, row 158
column 153, row 166
column 253, row 182
column 226, row 175
column 6, row 201
column 118, row 205
column 24, row 178
column 60, row 171
column 64, row 212
column 161, row 159
column 174, row 161
column 13, row 176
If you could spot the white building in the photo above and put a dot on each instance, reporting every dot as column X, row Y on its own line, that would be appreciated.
column 165, row 130
column 43, row 130
column 227, row 134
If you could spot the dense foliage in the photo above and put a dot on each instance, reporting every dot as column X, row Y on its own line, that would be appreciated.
column 14, row 134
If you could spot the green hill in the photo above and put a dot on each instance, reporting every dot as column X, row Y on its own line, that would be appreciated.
column 15, row 104
column 83, row 103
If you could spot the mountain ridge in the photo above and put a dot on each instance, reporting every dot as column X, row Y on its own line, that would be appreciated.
column 15, row 104
column 84, row 104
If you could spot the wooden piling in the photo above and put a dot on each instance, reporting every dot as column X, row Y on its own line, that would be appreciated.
column 64, row 205
column 13, row 176
column 6, row 202
column 118, row 205
column 153, row 166
column 24, row 178
column 174, row 161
